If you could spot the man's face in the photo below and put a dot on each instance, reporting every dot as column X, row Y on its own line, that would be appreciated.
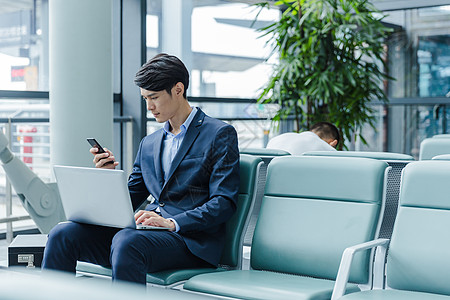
column 161, row 104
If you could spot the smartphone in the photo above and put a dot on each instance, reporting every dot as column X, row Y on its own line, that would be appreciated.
column 95, row 144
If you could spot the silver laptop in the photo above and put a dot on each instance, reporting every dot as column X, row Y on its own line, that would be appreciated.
column 96, row 196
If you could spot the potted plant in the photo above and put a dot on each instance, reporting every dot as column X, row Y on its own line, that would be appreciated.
column 330, row 63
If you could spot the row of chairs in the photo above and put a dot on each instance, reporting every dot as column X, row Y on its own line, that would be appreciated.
column 313, row 209
column 303, row 229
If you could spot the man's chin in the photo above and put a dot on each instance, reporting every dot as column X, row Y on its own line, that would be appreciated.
column 160, row 120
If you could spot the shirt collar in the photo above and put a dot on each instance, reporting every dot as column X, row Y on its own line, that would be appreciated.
column 186, row 123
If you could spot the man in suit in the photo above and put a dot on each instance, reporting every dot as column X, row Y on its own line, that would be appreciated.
column 190, row 172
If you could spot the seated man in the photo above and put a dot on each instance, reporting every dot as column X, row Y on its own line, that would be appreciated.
column 190, row 170
column 323, row 136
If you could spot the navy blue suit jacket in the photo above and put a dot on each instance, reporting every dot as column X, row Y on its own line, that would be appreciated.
column 202, row 188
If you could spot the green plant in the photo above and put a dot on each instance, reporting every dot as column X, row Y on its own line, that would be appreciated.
column 330, row 63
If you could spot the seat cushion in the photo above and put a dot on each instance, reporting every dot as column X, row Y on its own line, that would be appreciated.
column 93, row 268
column 263, row 285
column 392, row 295
column 167, row 277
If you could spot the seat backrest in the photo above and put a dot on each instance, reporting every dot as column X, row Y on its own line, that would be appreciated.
column 397, row 162
column 419, row 252
column 235, row 227
column 432, row 147
column 315, row 207
column 266, row 155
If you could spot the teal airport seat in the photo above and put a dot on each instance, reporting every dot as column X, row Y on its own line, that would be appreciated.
column 235, row 229
column 397, row 162
column 266, row 155
column 432, row 147
column 385, row 156
column 418, row 261
column 442, row 157
column 313, row 208
column 441, row 136
column 264, row 152
column 27, row 284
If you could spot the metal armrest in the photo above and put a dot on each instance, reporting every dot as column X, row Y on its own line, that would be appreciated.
column 346, row 261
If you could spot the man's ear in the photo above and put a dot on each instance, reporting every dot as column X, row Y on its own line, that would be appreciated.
column 333, row 143
column 179, row 89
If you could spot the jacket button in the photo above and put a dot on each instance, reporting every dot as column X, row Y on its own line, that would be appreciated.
column 161, row 204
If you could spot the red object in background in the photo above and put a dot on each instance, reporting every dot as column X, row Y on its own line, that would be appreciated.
column 27, row 140
column 17, row 73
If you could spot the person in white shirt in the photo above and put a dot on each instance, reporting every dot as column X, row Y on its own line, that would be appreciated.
column 323, row 136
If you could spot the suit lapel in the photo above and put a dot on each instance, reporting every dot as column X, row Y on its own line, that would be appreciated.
column 191, row 135
column 157, row 157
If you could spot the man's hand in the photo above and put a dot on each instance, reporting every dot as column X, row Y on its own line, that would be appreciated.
column 151, row 218
column 104, row 160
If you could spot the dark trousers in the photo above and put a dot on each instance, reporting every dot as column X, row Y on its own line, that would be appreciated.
column 129, row 252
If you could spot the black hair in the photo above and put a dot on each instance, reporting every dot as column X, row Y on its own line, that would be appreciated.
column 326, row 130
column 162, row 72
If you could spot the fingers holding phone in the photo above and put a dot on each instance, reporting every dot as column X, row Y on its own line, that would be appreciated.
column 103, row 158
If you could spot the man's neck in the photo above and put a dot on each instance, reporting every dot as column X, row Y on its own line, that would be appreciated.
column 178, row 120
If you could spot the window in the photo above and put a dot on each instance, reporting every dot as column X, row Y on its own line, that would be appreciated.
column 229, row 54
column 23, row 46
column 225, row 54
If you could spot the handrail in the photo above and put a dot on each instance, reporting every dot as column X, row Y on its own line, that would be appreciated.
column 14, row 219
column 118, row 119
column 6, row 94
column 23, row 94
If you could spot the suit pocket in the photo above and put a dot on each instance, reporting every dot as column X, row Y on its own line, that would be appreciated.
column 193, row 156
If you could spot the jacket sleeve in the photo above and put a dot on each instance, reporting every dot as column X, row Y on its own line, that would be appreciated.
column 136, row 186
column 223, row 161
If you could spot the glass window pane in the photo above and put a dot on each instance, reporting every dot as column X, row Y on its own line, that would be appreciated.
column 229, row 54
column 419, row 52
column 30, row 142
column 226, row 55
column 23, row 46
column 433, row 57
column 253, row 122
